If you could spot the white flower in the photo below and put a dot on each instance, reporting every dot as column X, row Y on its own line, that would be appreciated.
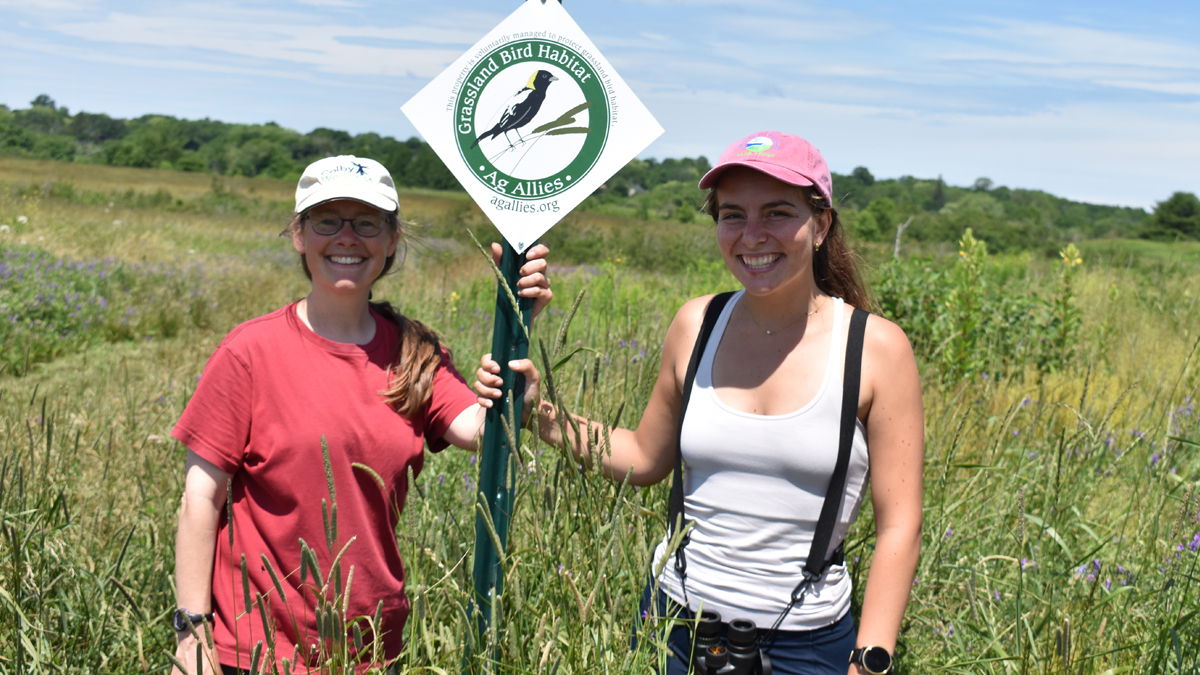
column 22, row 220
column 3, row 228
column 116, row 222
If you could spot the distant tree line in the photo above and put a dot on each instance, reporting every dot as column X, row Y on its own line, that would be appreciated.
column 161, row 142
column 871, row 209
column 1007, row 219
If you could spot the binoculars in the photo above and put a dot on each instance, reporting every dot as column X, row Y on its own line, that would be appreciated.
column 738, row 654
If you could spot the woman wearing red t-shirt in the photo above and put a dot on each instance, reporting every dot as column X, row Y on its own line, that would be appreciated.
column 332, row 368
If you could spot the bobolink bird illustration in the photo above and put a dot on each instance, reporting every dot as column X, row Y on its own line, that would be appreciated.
column 524, row 107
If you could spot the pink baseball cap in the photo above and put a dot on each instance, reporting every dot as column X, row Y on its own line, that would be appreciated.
column 788, row 158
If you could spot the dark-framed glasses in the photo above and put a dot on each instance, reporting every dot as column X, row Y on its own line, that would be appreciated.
column 327, row 223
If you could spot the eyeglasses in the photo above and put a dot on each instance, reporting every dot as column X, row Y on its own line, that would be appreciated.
column 328, row 224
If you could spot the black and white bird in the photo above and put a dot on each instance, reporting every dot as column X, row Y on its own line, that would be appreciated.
column 523, row 108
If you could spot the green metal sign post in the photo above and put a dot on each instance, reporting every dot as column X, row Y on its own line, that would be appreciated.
column 494, row 504
column 527, row 122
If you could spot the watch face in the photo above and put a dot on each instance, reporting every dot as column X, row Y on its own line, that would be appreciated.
column 877, row 660
column 180, row 620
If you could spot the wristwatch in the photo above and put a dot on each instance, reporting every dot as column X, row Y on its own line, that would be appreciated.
column 874, row 660
column 183, row 618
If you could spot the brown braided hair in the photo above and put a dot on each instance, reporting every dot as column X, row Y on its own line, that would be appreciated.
column 835, row 266
column 418, row 352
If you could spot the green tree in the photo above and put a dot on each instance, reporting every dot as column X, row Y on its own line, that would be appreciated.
column 39, row 119
column 155, row 142
column 885, row 215
column 55, row 146
column 862, row 175
column 1178, row 216
column 938, row 200
column 95, row 128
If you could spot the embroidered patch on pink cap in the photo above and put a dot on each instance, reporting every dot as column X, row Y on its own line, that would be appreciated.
column 786, row 157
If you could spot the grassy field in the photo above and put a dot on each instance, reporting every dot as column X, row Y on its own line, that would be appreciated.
column 1061, row 509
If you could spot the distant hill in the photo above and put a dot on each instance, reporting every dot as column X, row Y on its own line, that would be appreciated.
column 649, row 189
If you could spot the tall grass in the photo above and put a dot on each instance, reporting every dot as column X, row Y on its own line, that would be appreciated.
column 1061, row 504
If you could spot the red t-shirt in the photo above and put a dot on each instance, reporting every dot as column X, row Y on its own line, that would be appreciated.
column 269, row 393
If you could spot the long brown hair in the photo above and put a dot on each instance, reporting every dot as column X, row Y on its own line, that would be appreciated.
column 835, row 266
column 418, row 352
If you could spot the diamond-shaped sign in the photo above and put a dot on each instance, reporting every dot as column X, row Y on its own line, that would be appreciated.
column 531, row 120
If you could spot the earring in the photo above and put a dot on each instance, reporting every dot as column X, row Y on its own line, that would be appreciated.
column 816, row 247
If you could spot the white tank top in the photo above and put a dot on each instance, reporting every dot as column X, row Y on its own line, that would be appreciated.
column 754, row 486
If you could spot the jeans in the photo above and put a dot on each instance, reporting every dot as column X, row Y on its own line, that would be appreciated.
column 823, row 651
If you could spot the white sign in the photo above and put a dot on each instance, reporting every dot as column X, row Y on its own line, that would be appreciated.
column 531, row 120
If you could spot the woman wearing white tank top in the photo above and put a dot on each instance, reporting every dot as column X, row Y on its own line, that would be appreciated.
column 760, row 436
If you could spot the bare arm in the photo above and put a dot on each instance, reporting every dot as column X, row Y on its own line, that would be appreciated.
column 645, row 455
column 195, row 549
column 896, row 429
column 466, row 431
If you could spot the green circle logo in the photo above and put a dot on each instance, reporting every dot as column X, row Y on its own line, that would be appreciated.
column 532, row 117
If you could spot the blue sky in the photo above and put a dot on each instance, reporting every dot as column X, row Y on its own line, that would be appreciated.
column 1098, row 101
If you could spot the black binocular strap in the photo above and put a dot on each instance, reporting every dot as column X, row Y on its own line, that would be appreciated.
column 816, row 565
column 675, row 521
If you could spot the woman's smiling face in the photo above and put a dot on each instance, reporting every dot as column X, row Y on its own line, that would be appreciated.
column 766, row 231
column 345, row 262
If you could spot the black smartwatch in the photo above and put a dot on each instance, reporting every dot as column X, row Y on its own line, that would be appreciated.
column 874, row 660
column 183, row 618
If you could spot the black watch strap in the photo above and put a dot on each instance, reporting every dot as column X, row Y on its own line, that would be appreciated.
column 874, row 660
column 183, row 618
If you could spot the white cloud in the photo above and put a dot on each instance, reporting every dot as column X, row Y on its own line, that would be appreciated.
column 33, row 6
column 331, row 3
column 1023, row 41
column 328, row 48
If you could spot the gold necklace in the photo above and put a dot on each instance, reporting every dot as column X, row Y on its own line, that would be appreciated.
column 789, row 325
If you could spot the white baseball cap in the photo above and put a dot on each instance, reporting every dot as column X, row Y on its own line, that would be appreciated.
column 346, row 177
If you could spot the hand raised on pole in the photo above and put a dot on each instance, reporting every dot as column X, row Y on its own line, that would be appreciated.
column 533, row 283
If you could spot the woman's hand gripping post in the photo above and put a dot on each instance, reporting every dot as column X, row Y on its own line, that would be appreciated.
column 533, row 282
column 467, row 429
